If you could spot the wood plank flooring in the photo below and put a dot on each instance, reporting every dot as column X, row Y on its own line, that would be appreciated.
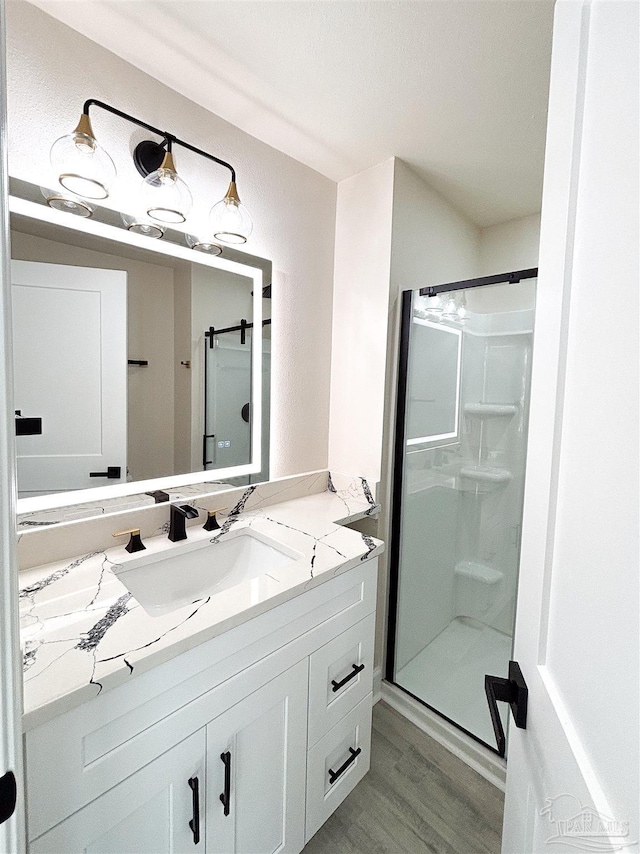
column 417, row 798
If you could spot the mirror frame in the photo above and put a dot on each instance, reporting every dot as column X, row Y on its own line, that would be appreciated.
column 23, row 202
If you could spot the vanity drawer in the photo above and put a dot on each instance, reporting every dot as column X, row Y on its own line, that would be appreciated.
column 340, row 676
column 337, row 763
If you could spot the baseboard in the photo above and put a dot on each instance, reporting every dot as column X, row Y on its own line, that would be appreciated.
column 377, row 684
column 488, row 764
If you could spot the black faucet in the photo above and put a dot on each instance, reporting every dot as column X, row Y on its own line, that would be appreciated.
column 178, row 515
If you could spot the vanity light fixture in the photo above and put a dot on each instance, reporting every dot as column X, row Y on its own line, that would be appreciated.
column 85, row 170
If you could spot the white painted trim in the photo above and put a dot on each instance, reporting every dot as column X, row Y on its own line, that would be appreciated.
column 99, row 229
column 12, row 832
column 377, row 684
column 489, row 765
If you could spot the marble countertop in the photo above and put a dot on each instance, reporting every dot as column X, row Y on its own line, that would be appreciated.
column 83, row 632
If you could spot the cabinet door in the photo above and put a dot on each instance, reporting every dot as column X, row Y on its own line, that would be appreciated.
column 152, row 812
column 256, row 766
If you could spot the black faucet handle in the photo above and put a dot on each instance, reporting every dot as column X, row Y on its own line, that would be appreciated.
column 135, row 544
column 212, row 523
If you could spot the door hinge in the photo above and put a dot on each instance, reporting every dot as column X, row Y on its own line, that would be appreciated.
column 513, row 691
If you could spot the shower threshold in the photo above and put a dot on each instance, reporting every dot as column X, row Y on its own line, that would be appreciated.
column 448, row 674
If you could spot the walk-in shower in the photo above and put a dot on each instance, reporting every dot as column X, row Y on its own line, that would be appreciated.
column 461, row 430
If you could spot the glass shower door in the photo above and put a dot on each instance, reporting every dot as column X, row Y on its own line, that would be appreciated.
column 459, row 479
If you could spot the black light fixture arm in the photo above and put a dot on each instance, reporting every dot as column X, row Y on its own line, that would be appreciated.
column 168, row 139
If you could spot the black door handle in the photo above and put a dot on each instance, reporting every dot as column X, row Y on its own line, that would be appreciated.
column 8, row 796
column 194, row 823
column 112, row 472
column 353, row 755
column 225, row 797
column 27, row 426
column 357, row 668
column 513, row 691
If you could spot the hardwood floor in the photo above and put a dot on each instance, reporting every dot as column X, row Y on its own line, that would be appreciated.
column 416, row 798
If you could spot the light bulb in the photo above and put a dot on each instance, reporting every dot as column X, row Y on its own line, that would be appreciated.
column 66, row 203
column 80, row 165
column 142, row 225
column 229, row 219
column 165, row 196
column 463, row 312
column 450, row 310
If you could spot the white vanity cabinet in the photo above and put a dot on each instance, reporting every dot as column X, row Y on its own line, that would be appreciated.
column 148, row 812
column 256, row 770
column 245, row 743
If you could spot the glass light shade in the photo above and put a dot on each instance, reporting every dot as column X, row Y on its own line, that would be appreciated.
column 229, row 219
column 450, row 310
column 66, row 203
column 202, row 244
column 142, row 225
column 82, row 166
column 165, row 196
column 434, row 304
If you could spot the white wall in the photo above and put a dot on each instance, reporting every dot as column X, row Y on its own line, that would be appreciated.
column 432, row 242
column 511, row 245
column 52, row 70
column 360, row 311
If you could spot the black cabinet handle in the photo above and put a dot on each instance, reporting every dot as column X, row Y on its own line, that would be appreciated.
column 194, row 823
column 8, row 796
column 353, row 754
column 513, row 691
column 357, row 668
column 112, row 472
column 225, row 797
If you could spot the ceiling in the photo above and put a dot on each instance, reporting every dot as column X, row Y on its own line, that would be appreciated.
column 456, row 88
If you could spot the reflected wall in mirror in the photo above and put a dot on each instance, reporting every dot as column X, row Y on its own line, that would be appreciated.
column 137, row 364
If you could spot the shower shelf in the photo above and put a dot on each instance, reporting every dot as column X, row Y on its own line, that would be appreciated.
column 486, row 474
column 490, row 410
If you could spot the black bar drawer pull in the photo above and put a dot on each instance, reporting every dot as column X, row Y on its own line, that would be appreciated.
column 357, row 668
column 112, row 472
column 513, row 691
column 225, row 797
column 194, row 823
column 353, row 754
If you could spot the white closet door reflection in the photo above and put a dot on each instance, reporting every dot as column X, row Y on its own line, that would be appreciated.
column 70, row 370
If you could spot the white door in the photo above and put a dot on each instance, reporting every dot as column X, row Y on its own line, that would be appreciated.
column 11, row 809
column 158, row 810
column 572, row 778
column 256, row 766
column 70, row 370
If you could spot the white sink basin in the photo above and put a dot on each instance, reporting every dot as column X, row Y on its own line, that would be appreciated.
column 177, row 574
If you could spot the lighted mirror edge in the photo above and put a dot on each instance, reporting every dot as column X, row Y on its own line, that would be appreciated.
column 36, row 211
column 424, row 440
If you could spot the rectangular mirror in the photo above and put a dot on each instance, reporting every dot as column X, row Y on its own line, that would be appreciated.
column 139, row 364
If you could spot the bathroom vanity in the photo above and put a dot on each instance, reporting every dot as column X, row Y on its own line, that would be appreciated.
column 235, row 723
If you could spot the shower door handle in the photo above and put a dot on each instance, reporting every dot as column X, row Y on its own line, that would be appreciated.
column 513, row 691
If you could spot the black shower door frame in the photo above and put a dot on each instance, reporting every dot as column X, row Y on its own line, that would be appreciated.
column 406, row 315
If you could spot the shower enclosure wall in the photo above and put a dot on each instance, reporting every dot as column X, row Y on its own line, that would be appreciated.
column 459, row 478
